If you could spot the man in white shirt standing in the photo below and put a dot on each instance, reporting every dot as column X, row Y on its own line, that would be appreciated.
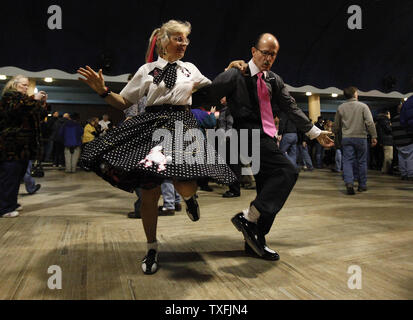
column 104, row 124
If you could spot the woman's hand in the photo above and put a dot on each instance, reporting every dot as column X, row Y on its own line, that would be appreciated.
column 239, row 64
column 93, row 79
column 41, row 96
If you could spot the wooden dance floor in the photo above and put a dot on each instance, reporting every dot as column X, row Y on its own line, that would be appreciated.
column 78, row 222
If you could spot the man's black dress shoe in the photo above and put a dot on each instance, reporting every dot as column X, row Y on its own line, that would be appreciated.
column 36, row 188
column 350, row 189
column 166, row 212
column 206, row 188
column 134, row 215
column 178, row 207
column 250, row 232
column 229, row 194
column 362, row 189
column 269, row 254
column 192, row 209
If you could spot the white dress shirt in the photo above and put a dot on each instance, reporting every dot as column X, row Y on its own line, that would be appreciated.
column 188, row 79
column 314, row 132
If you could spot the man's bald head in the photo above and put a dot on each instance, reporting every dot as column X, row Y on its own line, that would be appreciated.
column 264, row 51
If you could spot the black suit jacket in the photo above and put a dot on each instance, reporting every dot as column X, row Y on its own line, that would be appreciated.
column 242, row 99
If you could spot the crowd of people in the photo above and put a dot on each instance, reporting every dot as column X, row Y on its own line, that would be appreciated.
column 390, row 154
column 166, row 92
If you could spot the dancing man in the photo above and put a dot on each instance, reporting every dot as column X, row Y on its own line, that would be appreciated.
column 253, row 98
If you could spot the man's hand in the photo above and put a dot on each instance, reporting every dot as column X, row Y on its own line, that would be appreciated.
column 279, row 137
column 239, row 64
column 373, row 142
column 93, row 79
column 304, row 144
column 325, row 140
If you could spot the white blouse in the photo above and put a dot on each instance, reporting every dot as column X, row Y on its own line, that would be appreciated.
column 188, row 78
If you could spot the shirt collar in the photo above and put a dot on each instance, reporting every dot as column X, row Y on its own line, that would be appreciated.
column 254, row 69
column 162, row 63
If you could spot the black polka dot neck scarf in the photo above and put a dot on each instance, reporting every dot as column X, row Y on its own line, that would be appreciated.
column 168, row 75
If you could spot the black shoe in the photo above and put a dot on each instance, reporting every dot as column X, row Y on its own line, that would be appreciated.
column 206, row 188
column 350, row 190
column 166, row 212
column 269, row 254
column 192, row 209
column 229, row 194
column 250, row 232
column 362, row 189
column 335, row 170
column 150, row 262
column 134, row 215
column 36, row 188
column 178, row 207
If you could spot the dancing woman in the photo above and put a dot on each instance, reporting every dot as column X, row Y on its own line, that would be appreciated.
column 117, row 157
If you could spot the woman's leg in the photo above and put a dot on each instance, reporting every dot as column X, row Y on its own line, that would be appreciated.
column 149, row 212
column 186, row 188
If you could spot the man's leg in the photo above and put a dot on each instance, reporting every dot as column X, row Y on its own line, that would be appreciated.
column 29, row 182
column 168, row 195
column 75, row 159
column 339, row 162
column 348, row 160
column 361, row 152
column 408, row 158
column 68, row 160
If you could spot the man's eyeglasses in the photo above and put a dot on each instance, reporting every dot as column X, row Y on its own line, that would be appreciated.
column 268, row 53
column 181, row 40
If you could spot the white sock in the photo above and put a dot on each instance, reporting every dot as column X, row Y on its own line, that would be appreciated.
column 252, row 214
column 153, row 245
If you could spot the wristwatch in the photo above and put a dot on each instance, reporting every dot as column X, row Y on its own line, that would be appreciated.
column 107, row 92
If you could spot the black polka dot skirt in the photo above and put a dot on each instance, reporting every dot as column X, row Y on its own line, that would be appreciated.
column 152, row 147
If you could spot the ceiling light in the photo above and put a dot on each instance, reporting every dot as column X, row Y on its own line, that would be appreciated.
column 334, row 95
column 3, row 77
column 36, row 90
column 48, row 80
column 308, row 94
column 405, row 99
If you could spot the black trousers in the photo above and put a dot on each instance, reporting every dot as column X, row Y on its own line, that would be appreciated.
column 275, row 181
column 11, row 173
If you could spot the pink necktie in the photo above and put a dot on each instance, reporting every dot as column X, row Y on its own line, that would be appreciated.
column 267, row 117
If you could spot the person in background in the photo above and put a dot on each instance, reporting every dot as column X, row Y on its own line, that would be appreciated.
column 20, row 139
column 71, row 133
column 289, row 139
column 403, row 141
column 319, row 149
column 385, row 140
column 355, row 121
column 58, row 146
column 225, row 122
column 303, row 142
column 104, row 124
column 205, row 121
column 90, row 132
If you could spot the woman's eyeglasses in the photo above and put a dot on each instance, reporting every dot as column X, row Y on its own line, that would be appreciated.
column 181, row 40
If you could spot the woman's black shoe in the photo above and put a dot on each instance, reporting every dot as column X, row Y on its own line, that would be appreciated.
column 192, row 209
column 150, row 262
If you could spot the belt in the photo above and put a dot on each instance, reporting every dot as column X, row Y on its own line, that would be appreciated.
column 166, row 107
